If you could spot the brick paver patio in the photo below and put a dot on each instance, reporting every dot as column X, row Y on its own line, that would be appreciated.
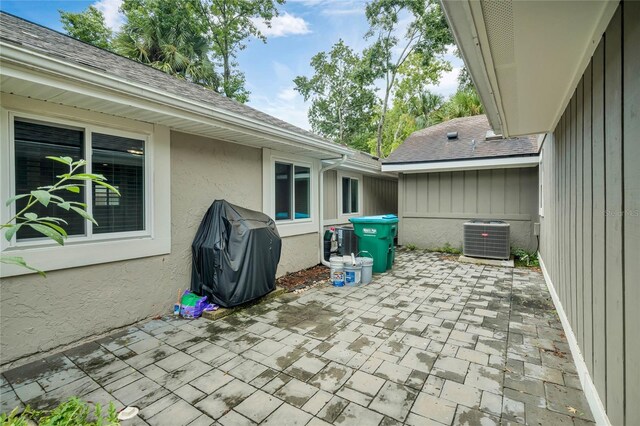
column 433, row 342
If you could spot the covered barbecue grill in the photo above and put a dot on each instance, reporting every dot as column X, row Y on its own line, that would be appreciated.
column 235, row 255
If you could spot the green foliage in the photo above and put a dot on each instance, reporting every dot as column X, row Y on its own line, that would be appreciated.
column 447, row 249
column 410, row 247
column 88, row 26
column 170, row 35
column 73, row 412
column 342, row 95
column 51, row 227
column 464, row 103
column 525, row 258
column 231, row 24
column 189, row 39
column 427, row 35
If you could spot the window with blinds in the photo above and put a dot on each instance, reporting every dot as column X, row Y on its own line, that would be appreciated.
column 35, row 141
column 120, row 159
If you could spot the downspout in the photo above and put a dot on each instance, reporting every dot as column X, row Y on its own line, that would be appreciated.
column 321, row 204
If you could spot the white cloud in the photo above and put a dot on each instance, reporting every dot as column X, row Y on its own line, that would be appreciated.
column 282, row 71
column 343, row 11
column 288, row 94
column 283, row 25
column 292, row 110
column 111, row 11
column 448, row 83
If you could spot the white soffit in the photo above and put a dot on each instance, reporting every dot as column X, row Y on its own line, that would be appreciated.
column 526, row 57
column 464, row 164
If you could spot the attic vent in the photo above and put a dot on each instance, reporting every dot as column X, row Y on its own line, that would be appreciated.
column 491, row 136
column 452, row 135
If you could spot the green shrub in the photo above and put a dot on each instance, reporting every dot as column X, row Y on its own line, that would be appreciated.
column 73, row 412
column 525, row 258
column 447, row 249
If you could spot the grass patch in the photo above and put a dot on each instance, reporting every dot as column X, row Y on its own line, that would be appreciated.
column 447, row 249
column 73, row 412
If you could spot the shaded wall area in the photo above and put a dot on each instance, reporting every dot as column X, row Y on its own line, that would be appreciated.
column 434, row 206
column 379, row 196
column 590, row 241
column 40, row 314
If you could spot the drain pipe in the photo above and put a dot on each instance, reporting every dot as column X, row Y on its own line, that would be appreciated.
column 321, row 204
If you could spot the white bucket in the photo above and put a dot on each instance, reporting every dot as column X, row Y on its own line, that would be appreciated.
column 367, row 269
column 337, row 271
column 352, row 274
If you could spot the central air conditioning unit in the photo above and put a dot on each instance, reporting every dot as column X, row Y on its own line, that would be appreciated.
column 486, row 238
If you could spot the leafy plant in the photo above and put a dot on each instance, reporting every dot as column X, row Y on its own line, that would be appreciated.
column 410, row 247
column 73, row 412
column 51, row 227
column 447, row 249
column 525, row 258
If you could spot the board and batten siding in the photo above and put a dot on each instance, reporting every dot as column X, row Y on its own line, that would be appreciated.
column 590, row 231
column 379, row 196
column 434, row 206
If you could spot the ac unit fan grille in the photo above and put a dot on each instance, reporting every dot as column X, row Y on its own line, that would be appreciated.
column 488, row 239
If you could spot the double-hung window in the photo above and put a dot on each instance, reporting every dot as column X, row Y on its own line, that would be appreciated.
column 292, row 192
column 350, row 195
column 119, row 157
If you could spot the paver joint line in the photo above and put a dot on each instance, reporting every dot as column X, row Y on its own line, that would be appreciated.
column 433, row 340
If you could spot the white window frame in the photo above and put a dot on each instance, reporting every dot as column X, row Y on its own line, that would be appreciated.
column 88, row 249
column 344, row 217
column 292, row 226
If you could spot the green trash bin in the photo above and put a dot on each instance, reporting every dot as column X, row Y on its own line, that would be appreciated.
column 375, row 235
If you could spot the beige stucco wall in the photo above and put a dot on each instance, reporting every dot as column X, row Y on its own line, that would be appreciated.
column 298, row 252
column 40, row 314
column 434, row 206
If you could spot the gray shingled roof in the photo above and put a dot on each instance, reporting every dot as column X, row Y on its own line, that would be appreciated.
column 48, row 42
column 431, row 144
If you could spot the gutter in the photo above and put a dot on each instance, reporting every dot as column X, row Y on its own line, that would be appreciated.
column 321, row 204
column 198, row 111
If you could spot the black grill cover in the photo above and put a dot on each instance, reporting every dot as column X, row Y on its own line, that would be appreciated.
column 235, row 255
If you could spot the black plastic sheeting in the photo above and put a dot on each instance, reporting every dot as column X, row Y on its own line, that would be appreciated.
column 235, row 255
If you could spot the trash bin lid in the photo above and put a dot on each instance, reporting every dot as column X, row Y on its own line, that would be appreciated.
column 384, row 218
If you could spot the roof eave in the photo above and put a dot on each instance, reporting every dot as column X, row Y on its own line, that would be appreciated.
column 460, row 16
column 13, row 56
column 463, row 164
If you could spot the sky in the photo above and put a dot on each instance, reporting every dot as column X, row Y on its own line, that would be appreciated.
column 303, row 28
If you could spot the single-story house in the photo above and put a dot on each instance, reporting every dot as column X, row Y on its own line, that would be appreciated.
column 172, row 148
column 460, row 170
column 571, row 70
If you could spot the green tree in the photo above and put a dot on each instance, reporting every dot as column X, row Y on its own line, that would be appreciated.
column 231, row 23
column 399, row 124
column 463, row 103
column 170, row 35
column 427, row 33
column 88, row 26
column 342, row 95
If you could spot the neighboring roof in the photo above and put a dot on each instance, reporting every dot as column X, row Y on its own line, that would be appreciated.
column 432, row 145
